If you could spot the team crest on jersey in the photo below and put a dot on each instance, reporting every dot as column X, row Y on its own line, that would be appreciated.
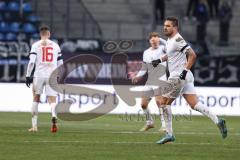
column 179, row 39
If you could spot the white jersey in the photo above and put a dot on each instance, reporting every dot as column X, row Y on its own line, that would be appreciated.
column 151, row 54
column 47, row 55
column 176, row 48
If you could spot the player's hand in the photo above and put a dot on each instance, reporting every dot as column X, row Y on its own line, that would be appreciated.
column 135, row 80
column 29, row 81
column 182, row 76
column 156, row 62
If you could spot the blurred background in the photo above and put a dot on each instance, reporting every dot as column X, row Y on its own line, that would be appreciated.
column 82, row 26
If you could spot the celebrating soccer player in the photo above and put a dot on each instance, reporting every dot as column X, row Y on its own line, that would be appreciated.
column 181, row 57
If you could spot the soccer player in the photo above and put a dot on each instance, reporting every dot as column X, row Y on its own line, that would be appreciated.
column 152, row 53
column 45, row 56
column 181, row 57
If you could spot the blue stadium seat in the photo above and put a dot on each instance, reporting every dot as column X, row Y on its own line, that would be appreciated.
column 11, row 37
column 3, row 6
column 7, row 16
column 1, row 17
column 22, row 36
column 14, row 27
column 27, row 7
column 29, row 28
column 13, row 6
column 2, row 37
column 4, row 27
column 35, row 36
column 33, row 18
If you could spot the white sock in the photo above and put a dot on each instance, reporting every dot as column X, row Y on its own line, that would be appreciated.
column 162, row 117
column 148, row 116
column 53, row 109
column 167, row 114
column 206, row 111
column 34, row 114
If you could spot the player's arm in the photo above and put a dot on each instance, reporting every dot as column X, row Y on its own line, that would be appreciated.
column 59, row 63
column 191, row 58
column 31, row 63
column 160, row 60
column 59, row 59
column 163, row 57
column 163, row 42
column 140, row 73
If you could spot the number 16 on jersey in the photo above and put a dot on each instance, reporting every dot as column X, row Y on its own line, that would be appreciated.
column 47, row 54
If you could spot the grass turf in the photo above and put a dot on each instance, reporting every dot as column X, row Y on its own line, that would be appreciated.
column 115, row 137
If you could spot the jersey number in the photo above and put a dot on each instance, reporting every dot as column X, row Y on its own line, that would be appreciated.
column 47, row 55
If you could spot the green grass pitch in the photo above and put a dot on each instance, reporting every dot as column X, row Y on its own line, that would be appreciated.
column 115, row 137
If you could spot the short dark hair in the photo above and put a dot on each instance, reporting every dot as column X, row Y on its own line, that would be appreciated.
column 174, row 21
column 153, row 34
column 44, row 27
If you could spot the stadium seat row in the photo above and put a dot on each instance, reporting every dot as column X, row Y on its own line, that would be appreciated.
column 14, row 6
column 15, row 37
column 17, row 27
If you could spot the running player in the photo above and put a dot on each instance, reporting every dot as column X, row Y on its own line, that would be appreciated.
column 156, row 50
column 181, row 57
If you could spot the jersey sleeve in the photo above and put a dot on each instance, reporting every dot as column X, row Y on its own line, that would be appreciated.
column 59, row 58
column 164, row 49
column 33, row 54
column 182, row 45
column 144, row 57
column 143, row 69
column 163, row 42
column 32, row 60
column 33, row 49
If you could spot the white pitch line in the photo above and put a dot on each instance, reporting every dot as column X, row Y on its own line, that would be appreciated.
column 182, row 133
column 126, row 142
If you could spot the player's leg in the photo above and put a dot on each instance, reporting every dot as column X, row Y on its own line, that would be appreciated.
column 166, row 102
column 192, row 100
column 36, row 91
column 52, row 103
column 51, row 95
column 34, row 112
column 161, row 114
column 149, row 119
column 166, row 106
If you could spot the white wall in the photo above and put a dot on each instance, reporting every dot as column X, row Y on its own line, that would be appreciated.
column 223, row 101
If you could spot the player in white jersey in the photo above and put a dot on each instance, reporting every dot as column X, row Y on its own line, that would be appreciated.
column 45, row 56
column 181, row 57
column 156, row 50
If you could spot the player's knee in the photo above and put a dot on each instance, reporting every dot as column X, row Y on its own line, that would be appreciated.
column 36, row 98
column 162, row 102
column 51, row 99
column 144, row 106
column 159, row 103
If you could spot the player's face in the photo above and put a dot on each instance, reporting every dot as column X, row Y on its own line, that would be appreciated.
column 168, row 28
column 154, row 41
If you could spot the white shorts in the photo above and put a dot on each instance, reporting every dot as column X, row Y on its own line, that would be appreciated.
column 188, row 88
column 181, row 87
column 40, row 83
column 151, row 91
